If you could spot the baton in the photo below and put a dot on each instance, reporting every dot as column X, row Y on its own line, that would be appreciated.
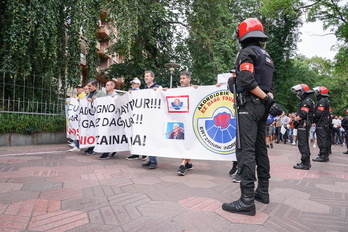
column 235, row 106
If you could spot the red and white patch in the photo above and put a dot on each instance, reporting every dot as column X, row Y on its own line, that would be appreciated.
column 321, row 108
column 247, row 67
column 305, row 109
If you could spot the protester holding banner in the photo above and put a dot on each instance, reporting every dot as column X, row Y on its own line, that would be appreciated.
column 80, row 94
column 110, row 92
column 135, row 86
column 93, row 94
column 254, row 69
column 86, row 90
column 185, row 81
column 149, row 78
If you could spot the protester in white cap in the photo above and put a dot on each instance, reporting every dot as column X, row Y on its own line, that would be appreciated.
column 135, row 84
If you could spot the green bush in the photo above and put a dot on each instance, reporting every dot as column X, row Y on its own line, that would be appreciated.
column 28, row 123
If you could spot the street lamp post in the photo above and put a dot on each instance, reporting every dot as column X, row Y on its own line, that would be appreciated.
column 171, row 67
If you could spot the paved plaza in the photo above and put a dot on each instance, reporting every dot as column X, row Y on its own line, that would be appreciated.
column 47, row 188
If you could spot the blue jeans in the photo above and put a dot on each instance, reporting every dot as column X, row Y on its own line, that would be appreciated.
column 153, row 159
column 291, row 133
column 77, row 143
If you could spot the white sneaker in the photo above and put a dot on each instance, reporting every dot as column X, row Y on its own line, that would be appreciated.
column 72, row 144
column 314, row 145
column 75, row 149
column 293, row 144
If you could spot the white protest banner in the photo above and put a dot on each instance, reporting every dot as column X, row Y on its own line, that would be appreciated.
column 223, row 78
column 179, row 123
column 72, row 112
column 111, row 135
column 87, row 124
column 200, row 125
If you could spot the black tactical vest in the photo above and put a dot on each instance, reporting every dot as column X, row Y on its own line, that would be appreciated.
column 263, row 70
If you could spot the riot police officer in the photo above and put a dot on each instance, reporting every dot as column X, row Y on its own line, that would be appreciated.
column 322, row 119
column 254, row 69
column 303, row 122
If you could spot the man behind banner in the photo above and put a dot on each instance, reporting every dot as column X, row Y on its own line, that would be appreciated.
column 185, row 81
column 110, row 91
column 149, row 78
column 135, row 86
column 80, row 94
column 93, row 94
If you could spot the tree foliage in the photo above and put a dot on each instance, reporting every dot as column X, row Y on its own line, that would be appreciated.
column 334, row 15
column 43, row 38
column 146, row 38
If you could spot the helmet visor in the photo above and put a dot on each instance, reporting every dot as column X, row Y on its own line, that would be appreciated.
column 296, row 88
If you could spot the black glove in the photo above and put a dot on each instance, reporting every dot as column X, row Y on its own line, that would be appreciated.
column 296, row 124
column 272, row 107
column 231, row 81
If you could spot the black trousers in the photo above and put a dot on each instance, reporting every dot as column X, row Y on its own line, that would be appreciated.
column 303, row 142
column 253, row 152
column 323, row 138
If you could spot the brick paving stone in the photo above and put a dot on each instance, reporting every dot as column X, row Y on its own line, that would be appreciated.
column 80, row 184
column 246, row 228
column 4, row 180
column 101, row 191
column 200, row 204
column 24, row 180
column 60, row 194
column 260, row 217
column 202, row 221
column 58, row 221
column 18, row 196
column 93, row 227
column 306, row 205
column 42, row 186
column 84, row 204
column 129, row 199
column 116, row 182
column 3, row 207
column 9, row 187
column 148, row 224
column 333, row 187
column 53, row 190
column 115, row 215
column 146, row 180
column 27, row 208
column 13, row 222
column 161, row 209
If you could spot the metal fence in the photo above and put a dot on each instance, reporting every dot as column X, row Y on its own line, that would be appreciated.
column 31, row 95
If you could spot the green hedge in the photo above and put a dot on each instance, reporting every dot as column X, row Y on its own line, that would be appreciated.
column 28, row 124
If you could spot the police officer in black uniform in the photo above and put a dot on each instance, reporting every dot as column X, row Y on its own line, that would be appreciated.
column 254, row 69
column 344, row 124
column 303, row 122
column 322, row 119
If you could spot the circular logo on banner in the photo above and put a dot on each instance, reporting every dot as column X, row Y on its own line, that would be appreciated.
column 214, row 122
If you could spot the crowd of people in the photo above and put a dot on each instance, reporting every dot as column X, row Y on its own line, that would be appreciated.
column 261, row 121
column 279, row 132
column 90, row 92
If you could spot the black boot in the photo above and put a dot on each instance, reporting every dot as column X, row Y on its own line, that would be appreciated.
column 261, row 193
column 302, row 166
column 346, row 153
column 323, row 158
column 245, row 205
